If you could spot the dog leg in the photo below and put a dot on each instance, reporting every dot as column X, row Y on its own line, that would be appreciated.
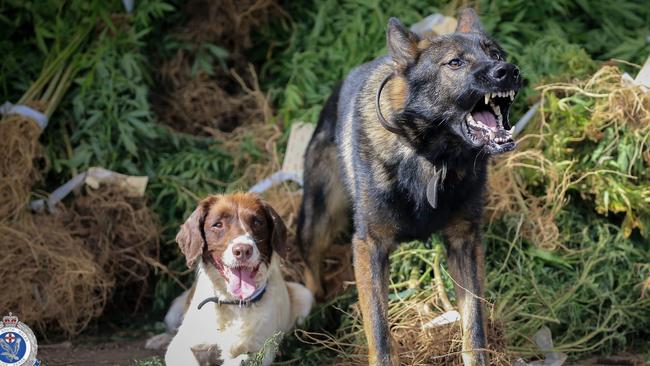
column 371, row 274
column 179, row 353
column 465, row 260
column 324, row 215
column 301, row 302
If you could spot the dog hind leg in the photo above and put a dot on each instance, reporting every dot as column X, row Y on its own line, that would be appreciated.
column 324, row 217
column 465, row 260
column 325, row 212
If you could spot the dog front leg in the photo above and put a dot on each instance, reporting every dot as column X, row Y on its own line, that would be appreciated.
column 179, row 353
column 465, row 260
column 371, row 274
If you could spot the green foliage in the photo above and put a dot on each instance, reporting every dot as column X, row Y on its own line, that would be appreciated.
column 326, row 41
column 152, row 361
column 587, row 292
column 604, row 147
column 113, row 125
column 270, row 346
column 550, row 40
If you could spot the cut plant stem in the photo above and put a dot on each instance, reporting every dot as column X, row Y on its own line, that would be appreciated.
column 437, row 278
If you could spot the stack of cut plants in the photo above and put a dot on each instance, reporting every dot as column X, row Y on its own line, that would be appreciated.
column 199, row 96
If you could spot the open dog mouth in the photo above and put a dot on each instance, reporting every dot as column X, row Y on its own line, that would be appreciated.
column 240, row 279
column 487, row 123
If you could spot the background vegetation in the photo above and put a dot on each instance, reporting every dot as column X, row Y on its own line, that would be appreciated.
column 585, row 282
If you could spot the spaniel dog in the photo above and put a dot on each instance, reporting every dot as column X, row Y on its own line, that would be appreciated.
column 239, row 298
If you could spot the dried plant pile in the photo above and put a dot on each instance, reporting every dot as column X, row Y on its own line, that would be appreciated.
column 55, row 281
column 20, row 151
column 122, row 233
column 68, row 266
column 208, row 86
column 591, row 146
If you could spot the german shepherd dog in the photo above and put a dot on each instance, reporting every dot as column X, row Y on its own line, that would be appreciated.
column 400, row 152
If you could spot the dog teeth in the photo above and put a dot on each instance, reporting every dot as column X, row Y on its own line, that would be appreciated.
column 507, row 94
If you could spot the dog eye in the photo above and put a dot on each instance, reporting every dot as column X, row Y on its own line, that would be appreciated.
column 455, row 63
column 218, row 224
column 496, row 55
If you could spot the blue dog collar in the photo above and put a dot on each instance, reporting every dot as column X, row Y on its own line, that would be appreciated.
column 255, row 297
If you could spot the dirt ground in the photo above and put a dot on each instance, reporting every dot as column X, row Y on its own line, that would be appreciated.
column 122, row 353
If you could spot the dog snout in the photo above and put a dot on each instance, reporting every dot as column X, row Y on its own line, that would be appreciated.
column 242, row 252
column 505, row 72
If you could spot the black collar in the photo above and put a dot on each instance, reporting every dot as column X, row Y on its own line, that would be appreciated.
column 242, row 303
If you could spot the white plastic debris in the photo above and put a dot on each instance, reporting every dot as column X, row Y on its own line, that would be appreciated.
column 434, row 24
column 544, row 340
column 294, row 158
column 445, row 318
column 134, row 186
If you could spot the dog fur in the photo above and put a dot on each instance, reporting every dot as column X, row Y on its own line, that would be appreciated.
column 366, row 180
column 230, row 332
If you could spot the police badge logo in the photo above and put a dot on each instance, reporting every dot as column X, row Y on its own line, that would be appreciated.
column 17, row 343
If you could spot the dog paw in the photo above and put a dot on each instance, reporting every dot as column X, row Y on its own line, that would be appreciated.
column 237, row 361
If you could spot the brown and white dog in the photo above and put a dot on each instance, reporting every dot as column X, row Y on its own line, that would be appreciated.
column 239, row 297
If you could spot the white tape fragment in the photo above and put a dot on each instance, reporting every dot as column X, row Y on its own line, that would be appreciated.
column 25, row 111
column 134, row 186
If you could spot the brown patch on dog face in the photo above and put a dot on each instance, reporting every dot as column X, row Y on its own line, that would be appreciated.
column 233, row 216
column 191, row 238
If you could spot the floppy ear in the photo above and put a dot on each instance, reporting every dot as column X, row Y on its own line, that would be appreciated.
column 278, row 231
column 191, row 238
column 402, row 44
column 468, row 22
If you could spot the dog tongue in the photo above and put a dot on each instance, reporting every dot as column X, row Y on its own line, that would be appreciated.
column 486, row 117
column 241, row 282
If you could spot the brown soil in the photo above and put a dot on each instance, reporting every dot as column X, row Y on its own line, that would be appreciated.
column 121, row 353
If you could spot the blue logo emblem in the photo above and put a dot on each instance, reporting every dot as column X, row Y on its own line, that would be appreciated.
column 17, row 343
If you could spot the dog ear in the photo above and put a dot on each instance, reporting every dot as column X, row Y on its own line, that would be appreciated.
column 278, row 231
column 191, row 238
column 468, row 22
column 402, row 44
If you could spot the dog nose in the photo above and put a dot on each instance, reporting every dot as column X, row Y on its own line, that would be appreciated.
column 242, row 252
column 502, row 72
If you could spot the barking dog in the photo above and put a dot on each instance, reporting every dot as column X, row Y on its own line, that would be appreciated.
column 400, row 152
column 239, row 298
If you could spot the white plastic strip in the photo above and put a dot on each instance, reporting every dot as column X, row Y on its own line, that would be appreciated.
column 523, row 121
column 275, row 179
column 58, row 194
column 25, row 111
